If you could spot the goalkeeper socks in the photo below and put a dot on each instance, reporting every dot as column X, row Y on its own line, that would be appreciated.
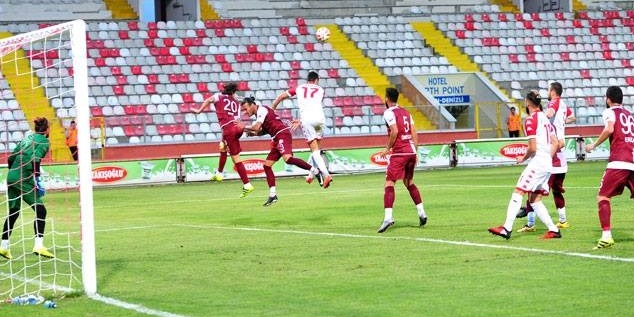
column 316, row 155
column 511, row 211
column 242, row 172
column 388, row 197
column 9, row 222
column 222, row 161
column 40, row 221
column 415, row 194
column 270, row 176
column 38, row 243
column 605, row 211
column 299, row 163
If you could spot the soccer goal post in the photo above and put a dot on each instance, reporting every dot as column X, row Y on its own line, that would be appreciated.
column 46, row 72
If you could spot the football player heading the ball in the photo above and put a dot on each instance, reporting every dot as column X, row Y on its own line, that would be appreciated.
column 267, row 121
column 23, row 182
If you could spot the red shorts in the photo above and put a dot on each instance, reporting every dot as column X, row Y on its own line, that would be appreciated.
column 231, row 134
column 281, row 144
column 614, row 181
column 556, row 183
column 400, row 167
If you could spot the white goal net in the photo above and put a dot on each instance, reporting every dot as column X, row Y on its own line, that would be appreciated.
column 44, row 74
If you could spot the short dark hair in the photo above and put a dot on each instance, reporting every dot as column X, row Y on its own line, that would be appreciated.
column 41, row 124
column 230, row 89
column 72, row 121
column 391, row 94
column 556, row 86
column 534, row 97
column 312, row 76
column 615, row 94
column 249, row 100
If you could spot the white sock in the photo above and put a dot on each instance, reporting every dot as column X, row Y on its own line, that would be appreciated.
column 531, row 219
column 606, row 235
column 562, row 214
column 421, row 210
column 38, row 242
column 4, row 244
column 388, row 214
column 511, row 211
column 272, row 191
column 320, row 162
column 542, row 213
column 248, row 185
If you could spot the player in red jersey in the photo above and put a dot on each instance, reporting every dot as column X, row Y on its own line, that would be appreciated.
column 619, row 128
column 228, row 112
column 401, row 148
column 311, row 114
column 542, row 145
column 268, row 122
column 559, row 114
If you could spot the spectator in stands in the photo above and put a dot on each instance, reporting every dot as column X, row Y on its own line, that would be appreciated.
column 513, row 122
column 71, row 139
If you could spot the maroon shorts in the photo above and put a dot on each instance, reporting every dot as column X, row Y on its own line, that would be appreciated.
column 400, row 167
column 281, row 144
column 556, row 183
column 231, row 134
column 614, row 181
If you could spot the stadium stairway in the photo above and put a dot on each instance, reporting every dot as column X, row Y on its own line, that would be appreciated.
column 578, row 5
column 443, row 45
column 506, row 6
column 121, row 9
column 369, row 72
column 33, row 101
column 207, row 12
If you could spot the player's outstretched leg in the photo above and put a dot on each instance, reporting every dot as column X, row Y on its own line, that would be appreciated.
column 218, row 176
column 542, row 213
column 247, row 188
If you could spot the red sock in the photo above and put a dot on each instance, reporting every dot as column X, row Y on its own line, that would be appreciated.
column 604, row 214
column 415, row 194
column 560, row 202
column 299, row 163
column 242, row 172
column 222, row 161
column 270, row 176
column 388, row 197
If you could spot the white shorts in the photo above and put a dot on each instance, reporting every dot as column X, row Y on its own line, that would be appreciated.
column 534, row 178
column 313, row 130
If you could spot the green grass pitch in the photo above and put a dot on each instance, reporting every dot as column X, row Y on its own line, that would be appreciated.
column 198, row 250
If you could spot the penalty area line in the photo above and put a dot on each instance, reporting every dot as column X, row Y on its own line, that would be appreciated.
column 420, row 239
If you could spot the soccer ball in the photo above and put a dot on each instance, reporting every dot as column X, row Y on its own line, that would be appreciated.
column 322, row 34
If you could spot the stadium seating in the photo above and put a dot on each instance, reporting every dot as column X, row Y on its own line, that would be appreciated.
column 526, row 51
column 159, row 70
column 13, row 124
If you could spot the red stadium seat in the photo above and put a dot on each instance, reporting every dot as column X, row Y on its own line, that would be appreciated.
column 626, row 63
column 226, row 67
column 559, row 16
column 333, row 73
column 252, row 48
column 565, row 56
column 300, row 21
column 187, row 97
column 150, row 89
column 545, row 32
column 115, row 70
column 140, row 109
column 123, row 34
column 202, row 87
column 129, row 110
column 220, row 58
column 136, row 70
column 502, row 17
column 96, row 111
column 152, row 34
column 122, row 80
column 184, row 50
column 133, row 25
column 219, row 32
column 285, row 31
column 585, row 74
column 169, row 42
column 303, row 30
column 630, row 81
column 570, row 39
column 243, row 86
column 528, row 25
column 535, row 16
column 607, row 55
column 153, row 78
column 292, row 39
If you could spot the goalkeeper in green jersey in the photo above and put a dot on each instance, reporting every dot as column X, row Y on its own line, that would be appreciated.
column 23, row 183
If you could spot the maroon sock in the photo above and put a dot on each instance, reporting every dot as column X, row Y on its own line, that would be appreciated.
column 222, row 161
column 270, row 176
column 560, row 202
column 299, row 163
column 388, row 197
column 604, row 214
column 415, row 194
column 242, row 172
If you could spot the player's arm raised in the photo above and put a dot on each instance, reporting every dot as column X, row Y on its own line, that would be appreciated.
column 205, row 104
column 280, row 98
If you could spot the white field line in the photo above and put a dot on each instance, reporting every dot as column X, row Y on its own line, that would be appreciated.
column 422, row 188
column 45, row 285
column 135, row 307
column 439, row 241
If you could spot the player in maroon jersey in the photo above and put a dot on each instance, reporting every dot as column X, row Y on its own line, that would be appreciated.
column 268, row 122
column 228, row 112
column 619, row 128
column 403, row 156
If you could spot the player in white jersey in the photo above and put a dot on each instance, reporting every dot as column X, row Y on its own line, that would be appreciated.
column 542, row 145
column 559, row 114
column 312, row 118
